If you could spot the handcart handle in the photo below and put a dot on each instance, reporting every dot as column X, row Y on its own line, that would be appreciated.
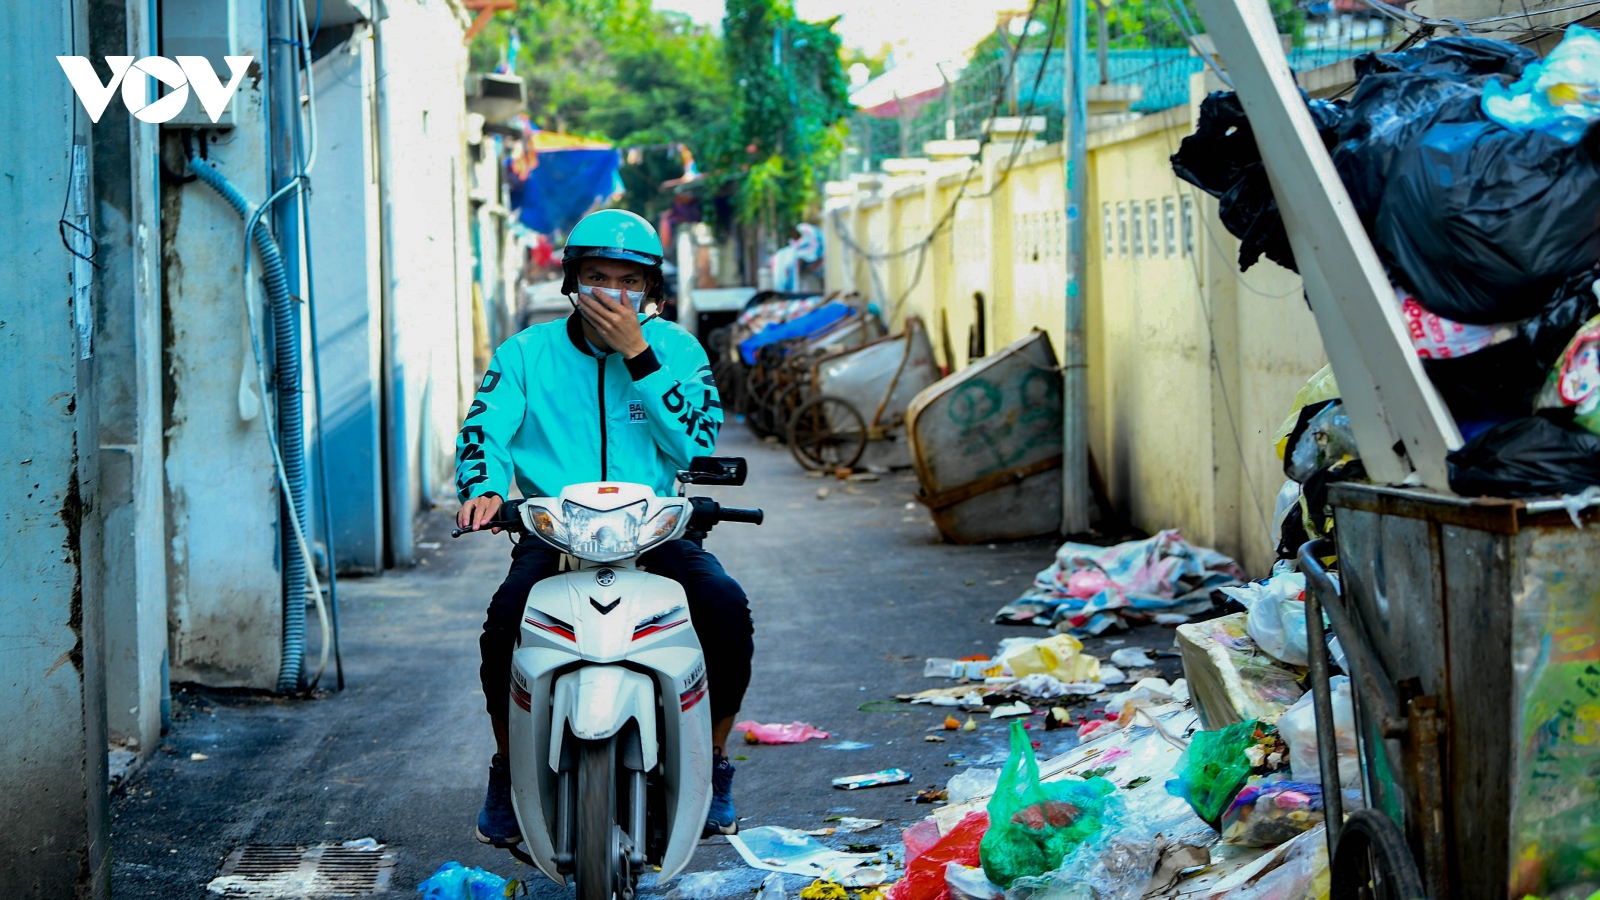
column 1320, row 584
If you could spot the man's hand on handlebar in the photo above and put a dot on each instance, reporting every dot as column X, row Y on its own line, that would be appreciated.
column 478, row 511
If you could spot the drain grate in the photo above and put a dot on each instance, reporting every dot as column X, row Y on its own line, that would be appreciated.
column 267, row 871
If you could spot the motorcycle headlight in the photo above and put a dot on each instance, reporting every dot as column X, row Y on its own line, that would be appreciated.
column 603, row 536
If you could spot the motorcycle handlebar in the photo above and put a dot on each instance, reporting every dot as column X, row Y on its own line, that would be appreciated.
column 748, row 516
column 508, row 518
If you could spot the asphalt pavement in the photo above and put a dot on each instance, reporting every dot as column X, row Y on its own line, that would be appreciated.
column 851, row 589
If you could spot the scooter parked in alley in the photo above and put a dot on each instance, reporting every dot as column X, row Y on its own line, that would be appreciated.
column 610, row 751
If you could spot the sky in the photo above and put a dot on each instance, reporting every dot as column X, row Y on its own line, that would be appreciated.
column 927, row 29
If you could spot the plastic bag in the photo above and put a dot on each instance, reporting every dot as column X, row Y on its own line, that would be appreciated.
column 924, row 878
column 1319, row 387
column 1575, row 380
column 1221, row 158
column 965, row 785
column 1478, row 221
column 1269, row 811
column 795, row 733
column 1277, row 610
column 1034, row 825
column 969, row 883
column 1450, row 56
column 454, row 881
column 1298, row 728
column 1559, row 95
column 1322, row 437
column 1060, row 656
column 1527, row 457
column 920, row 838
column 1214, row 768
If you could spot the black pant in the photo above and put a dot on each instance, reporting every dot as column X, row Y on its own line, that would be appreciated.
column 718, row 609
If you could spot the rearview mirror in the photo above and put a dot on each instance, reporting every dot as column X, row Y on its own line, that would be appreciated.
column 729, row 470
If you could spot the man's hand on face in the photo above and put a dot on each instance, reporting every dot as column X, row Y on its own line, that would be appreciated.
column 616, row 322
column 475, row 512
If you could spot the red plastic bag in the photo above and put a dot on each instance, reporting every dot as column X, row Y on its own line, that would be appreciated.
column 925, row 875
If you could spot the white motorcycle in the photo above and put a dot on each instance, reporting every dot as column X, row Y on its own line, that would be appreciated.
column 610, row 729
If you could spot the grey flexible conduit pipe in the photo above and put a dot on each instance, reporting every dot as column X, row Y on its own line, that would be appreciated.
column 291, row 425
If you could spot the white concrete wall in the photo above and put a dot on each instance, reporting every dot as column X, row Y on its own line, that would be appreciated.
column 427, row 256
column 345, row 247
column 226, row 608
column 52, row 745
column 128, row 362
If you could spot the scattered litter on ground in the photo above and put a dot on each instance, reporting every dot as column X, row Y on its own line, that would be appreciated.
column 774, row 849
column 772, row 888
column 872, row 779
column 709, row 885
column 932, row 795
column 364, row 844
column 970, row 883
column 1131, row 658
column 974, row 782
column 794, row 733
column 846, row 745
column 846, row 825
column 1269, row 810
column 822, row 889
column 1011, row 709
column 198, row 757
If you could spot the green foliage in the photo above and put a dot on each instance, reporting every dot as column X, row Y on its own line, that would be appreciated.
column 790, row 97
column 618, row 70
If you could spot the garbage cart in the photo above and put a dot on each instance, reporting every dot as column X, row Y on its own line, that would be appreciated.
column 858, row 395
column 1470, row 629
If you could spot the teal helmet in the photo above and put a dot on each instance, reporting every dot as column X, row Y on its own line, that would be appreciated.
column 613, row 234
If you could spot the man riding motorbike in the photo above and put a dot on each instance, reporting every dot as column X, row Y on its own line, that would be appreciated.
column 606, row 394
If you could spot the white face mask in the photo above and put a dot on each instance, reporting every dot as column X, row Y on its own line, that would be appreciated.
column 607, row 295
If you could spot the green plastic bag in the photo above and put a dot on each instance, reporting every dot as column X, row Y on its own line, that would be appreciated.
column 1034, row 825
column 1214, row 768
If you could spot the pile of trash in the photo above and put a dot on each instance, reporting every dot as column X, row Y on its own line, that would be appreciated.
column 1474, row 167
column 1208, row 786
column 1089, row 590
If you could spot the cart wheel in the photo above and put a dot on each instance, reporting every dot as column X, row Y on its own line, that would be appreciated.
column 826, row 433
column 756, row 392
column 782, row 407
column 1372, row 861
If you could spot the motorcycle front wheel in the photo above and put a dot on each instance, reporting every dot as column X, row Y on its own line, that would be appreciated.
column 596, row 873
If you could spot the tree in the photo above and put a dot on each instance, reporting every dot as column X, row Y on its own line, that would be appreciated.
column 790, row 101
column 618, row 70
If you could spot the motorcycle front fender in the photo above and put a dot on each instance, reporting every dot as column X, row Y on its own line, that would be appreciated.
column 595, row 702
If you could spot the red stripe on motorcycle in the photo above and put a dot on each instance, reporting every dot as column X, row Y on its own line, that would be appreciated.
column 690, row 698
column 654, row 629
column 553, row 629
column 523, row 699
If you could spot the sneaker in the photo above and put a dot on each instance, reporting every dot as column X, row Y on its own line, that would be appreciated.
column 497, row 824
column 721, row 819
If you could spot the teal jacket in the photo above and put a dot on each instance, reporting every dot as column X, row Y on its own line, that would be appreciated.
column 551, row 413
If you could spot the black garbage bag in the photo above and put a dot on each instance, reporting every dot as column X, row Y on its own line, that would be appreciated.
column 1500, row 382
column 1221, row 158
column 1386, row 117
column 1530, row 457
column 1483, row 223
column 1399, row 96
column 1450, row 56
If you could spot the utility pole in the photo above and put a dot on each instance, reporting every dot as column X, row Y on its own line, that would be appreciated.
column 1075, row 497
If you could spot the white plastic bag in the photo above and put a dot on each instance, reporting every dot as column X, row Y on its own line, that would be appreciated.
column 1277, row 615
column 970, row 883
column 1298, row 727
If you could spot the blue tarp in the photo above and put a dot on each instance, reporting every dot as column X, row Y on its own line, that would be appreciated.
column 808, row 324
column 563, row 186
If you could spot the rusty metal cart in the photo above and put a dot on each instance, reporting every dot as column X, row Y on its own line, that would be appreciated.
column 830, row 427
column 1471, row 634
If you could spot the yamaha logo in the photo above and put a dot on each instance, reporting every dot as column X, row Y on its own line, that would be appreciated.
column 605, row 577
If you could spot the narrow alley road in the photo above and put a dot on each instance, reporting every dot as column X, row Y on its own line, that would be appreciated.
column 850, row 594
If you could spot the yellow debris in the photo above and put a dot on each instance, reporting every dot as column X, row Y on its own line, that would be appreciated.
column 822, row 889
